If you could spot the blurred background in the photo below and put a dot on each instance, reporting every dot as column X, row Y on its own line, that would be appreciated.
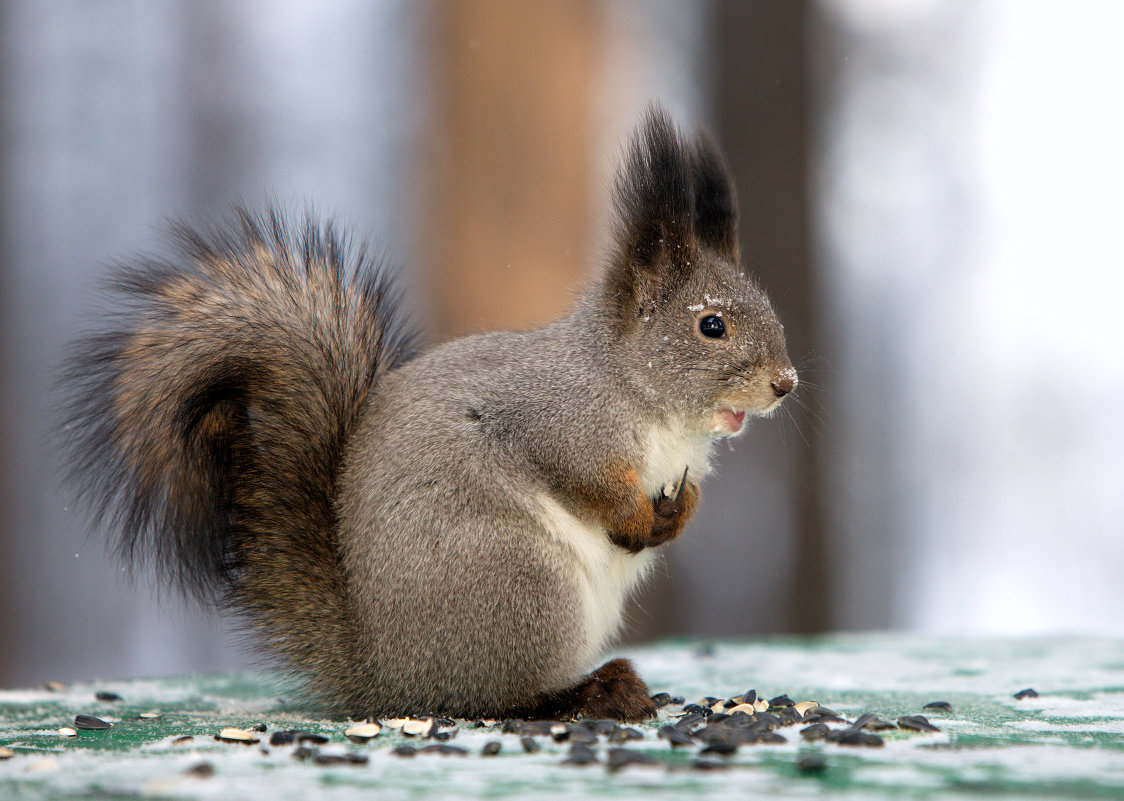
column 932, row 192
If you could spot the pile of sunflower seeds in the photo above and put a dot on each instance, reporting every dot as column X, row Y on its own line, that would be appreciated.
column 711, row 730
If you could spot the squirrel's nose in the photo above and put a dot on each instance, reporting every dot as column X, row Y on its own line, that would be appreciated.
column 784, row 383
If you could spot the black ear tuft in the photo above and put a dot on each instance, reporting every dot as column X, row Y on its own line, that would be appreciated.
column 654, row 203
column 716, row 203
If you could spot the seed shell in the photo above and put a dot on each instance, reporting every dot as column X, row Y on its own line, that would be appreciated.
column 363, row 732
column 234, row 735
column 6, row 753
column 66, row 731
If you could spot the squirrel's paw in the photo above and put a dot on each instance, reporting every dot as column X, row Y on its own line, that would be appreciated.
column 614, row 691
column 671, row 514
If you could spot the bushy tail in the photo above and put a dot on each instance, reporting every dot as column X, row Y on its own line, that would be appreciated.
column 209, row 417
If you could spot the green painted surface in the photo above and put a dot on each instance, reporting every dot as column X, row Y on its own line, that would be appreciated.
column 1068, row 743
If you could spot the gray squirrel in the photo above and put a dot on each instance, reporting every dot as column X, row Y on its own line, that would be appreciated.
column 454, row 531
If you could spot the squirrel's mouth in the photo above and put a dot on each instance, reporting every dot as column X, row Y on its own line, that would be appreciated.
column 727, row 422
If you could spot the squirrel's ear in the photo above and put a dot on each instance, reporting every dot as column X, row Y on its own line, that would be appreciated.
column 654, row 203
column 716, row 202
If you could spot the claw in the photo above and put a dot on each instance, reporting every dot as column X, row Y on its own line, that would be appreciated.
column 682, row 484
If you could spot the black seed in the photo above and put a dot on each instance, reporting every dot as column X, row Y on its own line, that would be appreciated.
column 749, row 697
column 340, row 759
column 405, row 750
column 90, row 722
column 769, row 738
column 1029, row 692
column 768, row 720
column 443, row 736
column 582, row 736
column 678, row 700
column 718, row 717
column 108, row 697
column 810, row 763
column 511, row 726
column 624, row 734
column 781, row 701
column 187, row 738
column 690, row 721
column 283, row 737
column 741, row 719
column 697, row 709
column 675, row 736
column 788, row 716
column 601, row 726
column 261, row 728
column 822, row 713
column 580, row 754
column 530, row 745
column 857, row 737
column 817, row 731
column 491, row 748
column 444, row 750
column 202, row 770
column 621, row 757
column 661, row 700
column 309, row 737
column 534, row 728
column 938, row 706
column 917, row 723
column 303, row 753
column 872, row 722
column 721, row 747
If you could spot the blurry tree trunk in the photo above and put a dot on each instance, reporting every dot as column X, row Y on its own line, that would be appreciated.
column 761, row 99
column 511, row 174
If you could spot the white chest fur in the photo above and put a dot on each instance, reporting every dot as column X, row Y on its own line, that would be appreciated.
column 604, row 573
column 669, row 450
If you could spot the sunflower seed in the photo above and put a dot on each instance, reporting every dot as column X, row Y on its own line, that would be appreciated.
column 108, row 697
column 917, row 723
column 580, row 754
column 90, row 722
column 675, row 736
column 1029, row 692
column 938, row 706
column 622, row 757
column 419, row 728
column 491, row 748
column 803, row 706
column 661, row 700
column 233, row 735
column 363, row 732
column 530, row 745
column 201, row 770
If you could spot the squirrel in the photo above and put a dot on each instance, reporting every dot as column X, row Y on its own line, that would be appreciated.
column 451, row 531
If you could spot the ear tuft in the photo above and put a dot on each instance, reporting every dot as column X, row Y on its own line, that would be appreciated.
column 673, row 197
column 716, row 202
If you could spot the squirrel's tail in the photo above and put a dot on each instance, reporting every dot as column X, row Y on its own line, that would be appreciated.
column 209, row 418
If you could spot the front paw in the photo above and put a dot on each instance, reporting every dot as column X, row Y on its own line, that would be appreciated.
column 670, row 514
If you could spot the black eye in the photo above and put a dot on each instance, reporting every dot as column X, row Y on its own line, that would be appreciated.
column 712, row 326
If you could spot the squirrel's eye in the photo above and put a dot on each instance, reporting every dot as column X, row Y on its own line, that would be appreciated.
column 712, row 326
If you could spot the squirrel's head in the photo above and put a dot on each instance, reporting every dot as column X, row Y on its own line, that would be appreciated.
column 699, row 337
